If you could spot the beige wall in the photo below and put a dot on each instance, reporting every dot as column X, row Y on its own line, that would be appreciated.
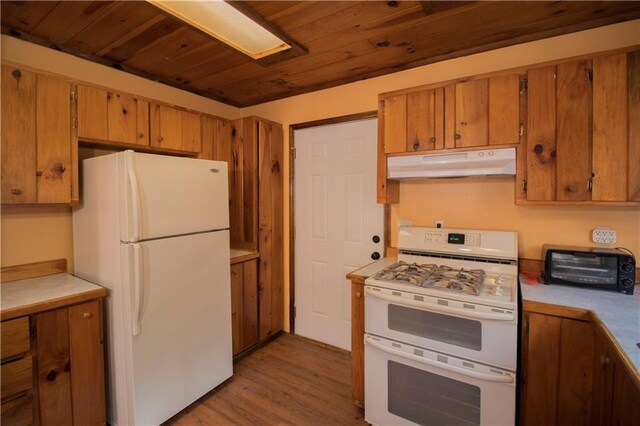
column 484, row 203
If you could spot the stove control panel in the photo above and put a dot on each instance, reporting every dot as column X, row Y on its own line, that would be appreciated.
column 443, row 237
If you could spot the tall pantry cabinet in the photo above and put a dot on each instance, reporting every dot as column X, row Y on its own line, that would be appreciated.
column 253, row 148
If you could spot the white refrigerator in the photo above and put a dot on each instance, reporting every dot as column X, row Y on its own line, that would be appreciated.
column 153, row 230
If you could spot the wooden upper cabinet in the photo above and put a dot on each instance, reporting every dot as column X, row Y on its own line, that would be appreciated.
column 18, row 136
column 175, row 129
column 53, row 140
column 610, row 137
column 112, row 117
column 128, row 119
column 425, row 120
column 471, row 113
column 504, row 110
column 633, row 65
column 573, row 131
column 92, row 113
column 395, row 124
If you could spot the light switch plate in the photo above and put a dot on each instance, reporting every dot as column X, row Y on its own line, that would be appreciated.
column 604, row 235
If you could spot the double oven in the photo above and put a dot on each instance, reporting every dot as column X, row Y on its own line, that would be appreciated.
column 441, row 343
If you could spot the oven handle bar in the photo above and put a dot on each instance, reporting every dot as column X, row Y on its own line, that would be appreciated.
column 468, row 313
column 482, row 376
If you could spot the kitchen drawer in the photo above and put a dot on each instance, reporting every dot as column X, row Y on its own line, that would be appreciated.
column 16, row 376
column 15, row 337
column 18, row 412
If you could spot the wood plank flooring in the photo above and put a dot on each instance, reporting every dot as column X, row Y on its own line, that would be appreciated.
column 288, row 382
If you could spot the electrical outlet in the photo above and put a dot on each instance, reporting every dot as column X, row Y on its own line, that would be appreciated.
column 604, row 235
column 439, row 223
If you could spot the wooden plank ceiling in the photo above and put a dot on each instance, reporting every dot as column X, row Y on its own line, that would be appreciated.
column 345, row 41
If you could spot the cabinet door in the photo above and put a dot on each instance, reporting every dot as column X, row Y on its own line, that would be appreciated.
column 504, row 109
column 250, row 303
column 243, row 182
column 54, row 365
column 610, row 138
column 18, row 137
column 191, row 136
column 625, row 401
column 237, row 307
column 633, row 60
column 472, row 113
column 166, row 127
column 357, row 343
column 573, row 131
column 92, row 113
column 541, row 134
column 53, row 140
column 425, row 120
column 128, row 119
column 271, row 230
column 87, row 364
column 395, row 124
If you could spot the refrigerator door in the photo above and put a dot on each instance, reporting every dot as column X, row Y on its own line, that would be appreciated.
column 163, row 196
column 178, row 327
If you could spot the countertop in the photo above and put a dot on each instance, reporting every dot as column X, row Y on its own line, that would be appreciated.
column 33, row 295
column 619, row 313
column 366, row 271
column 238, row 256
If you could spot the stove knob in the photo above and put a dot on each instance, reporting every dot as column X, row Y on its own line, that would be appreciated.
column 499, row 280
column 375, row 255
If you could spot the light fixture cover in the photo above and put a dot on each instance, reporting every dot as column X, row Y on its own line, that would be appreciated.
column 224, row 22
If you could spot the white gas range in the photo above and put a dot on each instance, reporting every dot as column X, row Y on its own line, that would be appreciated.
column 441, row 330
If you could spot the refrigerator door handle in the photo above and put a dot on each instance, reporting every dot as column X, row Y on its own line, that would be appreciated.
column 138, row 282
column 134, row 211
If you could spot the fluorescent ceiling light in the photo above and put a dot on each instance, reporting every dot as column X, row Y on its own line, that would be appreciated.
column 224, row 22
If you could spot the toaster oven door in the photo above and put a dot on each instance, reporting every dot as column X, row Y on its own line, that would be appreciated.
column 583, row 268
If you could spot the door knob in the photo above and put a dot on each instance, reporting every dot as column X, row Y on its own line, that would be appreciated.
column 375, row 239
column 375, row 255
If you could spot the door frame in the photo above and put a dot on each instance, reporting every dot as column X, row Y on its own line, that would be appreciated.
column 292, row 221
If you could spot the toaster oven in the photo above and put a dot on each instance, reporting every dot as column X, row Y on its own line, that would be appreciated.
column 612, row 269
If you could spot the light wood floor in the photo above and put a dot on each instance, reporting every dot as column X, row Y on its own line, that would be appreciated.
column 288, row 382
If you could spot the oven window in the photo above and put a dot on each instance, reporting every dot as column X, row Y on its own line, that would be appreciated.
column 456, row 331
column 429, row 399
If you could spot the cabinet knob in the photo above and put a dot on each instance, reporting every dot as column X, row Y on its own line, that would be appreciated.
column 416, row 145
column 457, row 136
column 87, row 315
column 160, row 139
column 572, row 188
column 140, row 135
column 16, row 191
column 358, row 294
column 432, row 139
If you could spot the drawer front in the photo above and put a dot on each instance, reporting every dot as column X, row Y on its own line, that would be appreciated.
column 16, row 377
column 15, row 337
column 17, row 412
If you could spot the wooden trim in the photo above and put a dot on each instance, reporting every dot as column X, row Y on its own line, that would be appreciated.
column 243, row 245
column 321, row 344
column 93, row 143
column 578, row 203
column 292, row 222
column 257, row 345
column 516, row 70
column 245, row 258
column 355, row 278
column 52, row 304
column 556, row 310
column 335, row 120
column 530, row 265
column 32, row 270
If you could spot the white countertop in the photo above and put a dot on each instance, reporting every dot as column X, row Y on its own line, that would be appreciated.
column 373, row 267
column 238, row 253
column 619, row 312
column 36, row 291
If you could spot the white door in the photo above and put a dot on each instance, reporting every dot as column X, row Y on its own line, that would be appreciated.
column 337, row 221
column 180, row 328
column 165, row 196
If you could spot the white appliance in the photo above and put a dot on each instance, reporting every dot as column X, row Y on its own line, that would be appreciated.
column 441, row 330
column 153, row 230
column 488, row 162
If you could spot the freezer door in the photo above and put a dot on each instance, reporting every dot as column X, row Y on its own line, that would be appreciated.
column 180, row 322
column 164, row 196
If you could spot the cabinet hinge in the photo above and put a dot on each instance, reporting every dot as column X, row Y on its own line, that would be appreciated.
column 521, row 131
column 525, row 325
column 590, row 75
column 524, row 85
column 74, row 97
column 524, row 185
column 32, row 329
column 590, row 184
column 293, row 152
column 75, row 122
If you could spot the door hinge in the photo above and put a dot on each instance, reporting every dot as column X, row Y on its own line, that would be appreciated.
column 524, row 85
column 74, row 97
column 524, row 185
column 293, row 152
column 590, row 75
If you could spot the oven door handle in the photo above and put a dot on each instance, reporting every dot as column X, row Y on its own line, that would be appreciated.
column 482, row 376
column 468, row 313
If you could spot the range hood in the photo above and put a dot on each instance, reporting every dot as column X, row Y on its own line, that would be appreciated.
column 488, row 162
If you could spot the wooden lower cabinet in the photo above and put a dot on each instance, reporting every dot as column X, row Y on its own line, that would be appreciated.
column 244, row 305
column 357, row 342
column 59, row 377
column 571, row 375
